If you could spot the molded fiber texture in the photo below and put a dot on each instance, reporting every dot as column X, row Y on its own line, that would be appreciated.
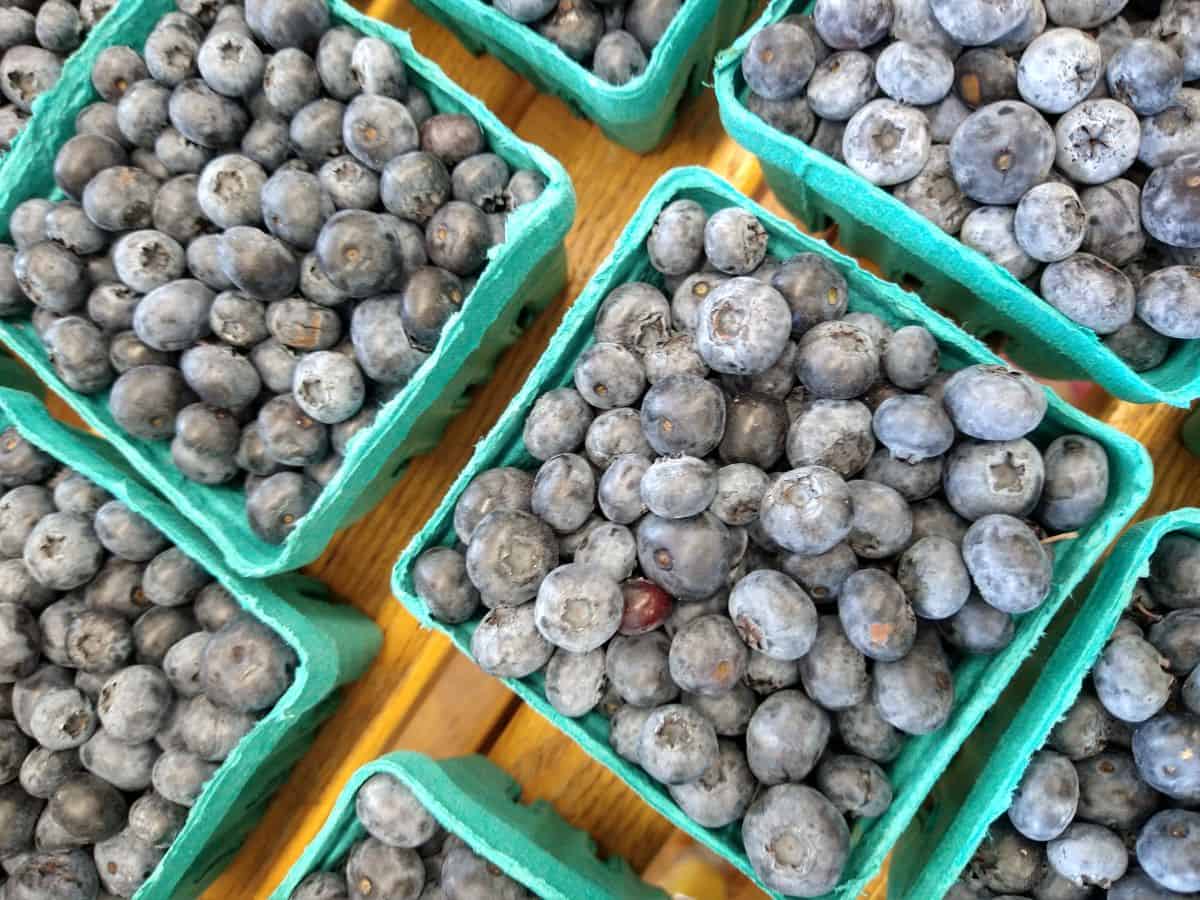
column 978, row 680
column 333, row 644
column 522, row 276
column 473, row 799
column 978, row 787
column 637, row 115
column 981, row 296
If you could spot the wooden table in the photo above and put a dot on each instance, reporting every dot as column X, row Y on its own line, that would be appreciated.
column 421, row 694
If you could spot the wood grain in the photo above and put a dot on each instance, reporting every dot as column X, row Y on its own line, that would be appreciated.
column 421, row 694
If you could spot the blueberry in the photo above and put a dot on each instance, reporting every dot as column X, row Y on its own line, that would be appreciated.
column 1007, row 861
column 742, row 327
column 95, row 118
column 686, row 557
column 62, row 551
column 278, row 504
column 1076, row 483
column 155, row 820
column 915, row 694
column 124, row 863
column 27, row 72
column 917, row 74
column 126, row 534
column 79, row 160
column 649, row 20
column 247, row 667
column 993, row 403
column 807, row 510
column 985, row 75
column 991, row 231
column 836, row 360
column 856, row 786
column 63, row 874
column 1164, row 750
column 1009, row 566
column 1172, row 132
column 934, row 577
column 1168, row 300
column 978, row 628
column 1112, row 794
column 848, row 25
column 1114, row 226
column 1089, row 291
column 1044, row 803
column 876, row 615
column 1059, row 69
column 863, row 732
column 1001, row 151
column 469, row 876
column 886, row 142
column 42, row 771
column 1131, row 680
column 619, row 58
column 451, row 137
column 1050, row 222
column 20, row 815
column 205, row 117
column 79, row 353
column 683, row 414
column 637, row 667
column 289, row 23
column 881, row 525
column 376, row 129
column 20, row 510
column 501, row 577
column 1097, row 141
column 457, row 238
column 615, row 433
column 1145, row 75
column 170, row 54
column 739, row 491
column 983, row 478
column 636, row 316
column 578, row 607
column 507, row 643
column 1088, row 855
column 796, row 840
column 779, row 61
column 27, row 225
column 527, row 11
column 231, row 63
column 574, row 27
column 677, row 744
column 1083, row 731
column 912, row 480
column 678, row 487
column 322, row 886
column 53, row 277
column 707, row 656
column 1167, row 849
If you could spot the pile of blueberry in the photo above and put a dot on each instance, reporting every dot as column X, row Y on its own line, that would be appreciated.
column 260, row 246
column 1059, row 138
column 760, row 527
column 614, row 37
column 127, row 675
column 36, row 37
column 407, row 855
column 1111, row 803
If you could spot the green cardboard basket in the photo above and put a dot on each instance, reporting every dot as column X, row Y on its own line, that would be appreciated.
column 334, row 645
column 636, row 115
column 522, row 277
column 977, row 789
column 980, row 295
column 473, row 799
column 979, row 680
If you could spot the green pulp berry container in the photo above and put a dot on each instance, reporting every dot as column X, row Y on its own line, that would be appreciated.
column 979, row 680
column 522, row 276
column 636, row 115
column 473, row 799
column 334, row 645
column 978, row 787
column 978, row 294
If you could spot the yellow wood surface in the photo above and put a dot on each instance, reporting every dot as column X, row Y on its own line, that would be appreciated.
column 421, row 694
